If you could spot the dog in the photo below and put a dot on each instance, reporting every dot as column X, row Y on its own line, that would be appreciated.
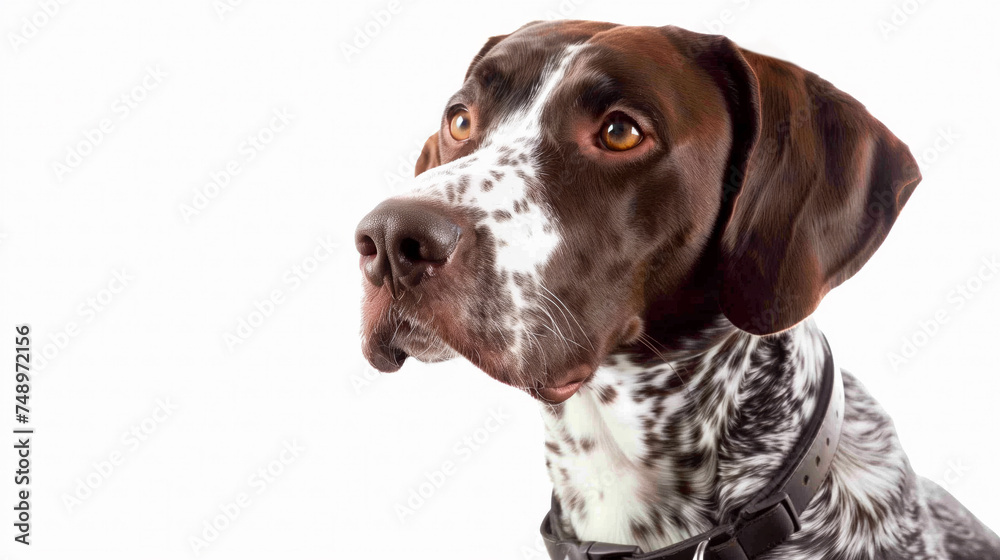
column 633, row 225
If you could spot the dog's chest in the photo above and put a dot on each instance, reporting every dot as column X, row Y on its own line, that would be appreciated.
column 605, row 456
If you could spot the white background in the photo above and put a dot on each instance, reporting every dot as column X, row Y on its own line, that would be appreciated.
column 932, row 78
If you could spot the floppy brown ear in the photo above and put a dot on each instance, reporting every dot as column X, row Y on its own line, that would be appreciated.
column 813, row 187
column 430, row 156
column 490, row 43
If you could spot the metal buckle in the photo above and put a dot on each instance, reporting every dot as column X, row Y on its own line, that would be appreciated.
column 699, row 553
column 608, row 551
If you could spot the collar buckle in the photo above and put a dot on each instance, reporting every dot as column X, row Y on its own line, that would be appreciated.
column 608, row 551
column 764, row 506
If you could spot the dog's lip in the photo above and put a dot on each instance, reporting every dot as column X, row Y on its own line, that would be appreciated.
column 566, row 387
column 561, row 394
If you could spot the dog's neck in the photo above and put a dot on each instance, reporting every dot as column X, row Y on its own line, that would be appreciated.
column 654, row 453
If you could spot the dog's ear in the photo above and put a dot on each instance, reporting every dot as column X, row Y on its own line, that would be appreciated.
column 430, row 156
column 813, row 184
column 490, row 43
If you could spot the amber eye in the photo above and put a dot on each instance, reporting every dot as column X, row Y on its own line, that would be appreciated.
column 620, row 133
column 461, row 125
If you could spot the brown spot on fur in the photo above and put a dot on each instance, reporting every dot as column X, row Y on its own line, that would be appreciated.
column 501, row 215
column 640, row 530
column 478, row 215
column 607, row 394
column 575, row 502
column 674, row 382
column 564, row 433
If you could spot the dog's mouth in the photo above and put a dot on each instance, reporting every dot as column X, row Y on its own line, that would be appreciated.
column 394, row 340
column 390, row 336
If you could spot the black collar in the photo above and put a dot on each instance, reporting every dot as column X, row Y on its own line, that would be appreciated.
column 761, row 524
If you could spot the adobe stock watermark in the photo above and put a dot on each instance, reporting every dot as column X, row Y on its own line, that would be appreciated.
column 363, row 380
column 956, row 300
column 726, row 17
column 30, row 26
column 955, row 470
column 536, row 551
column 291, row 280
column 942, row 143
column 899, row 16
column 225, row 7
column 130, row 442
column 564, row 9
column 88, row 311
column 92, row 137
column 258, row 483
column 883, row 202
column 462, row 451
column 402, row 174
column 249, row 150
column 365, row 33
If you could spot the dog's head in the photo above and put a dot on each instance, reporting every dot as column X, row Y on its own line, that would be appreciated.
column 591, row 184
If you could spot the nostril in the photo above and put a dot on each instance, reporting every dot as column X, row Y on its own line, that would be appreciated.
column 366, row 246
column 409, row 249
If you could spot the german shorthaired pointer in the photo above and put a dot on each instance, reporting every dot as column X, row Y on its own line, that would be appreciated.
column 633, row 224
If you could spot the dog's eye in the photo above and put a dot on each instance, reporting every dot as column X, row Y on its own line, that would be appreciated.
column 461, row 125
column 620, row 133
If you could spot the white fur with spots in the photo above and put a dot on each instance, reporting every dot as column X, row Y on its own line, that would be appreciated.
column 662, row 458
column 498, row 179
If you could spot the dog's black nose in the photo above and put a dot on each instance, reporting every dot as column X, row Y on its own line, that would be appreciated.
column 401, row 239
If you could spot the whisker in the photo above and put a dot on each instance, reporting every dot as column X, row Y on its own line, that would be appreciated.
column 647, row 341
column 399, row 323
column 561, row 305
column 556, row 331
